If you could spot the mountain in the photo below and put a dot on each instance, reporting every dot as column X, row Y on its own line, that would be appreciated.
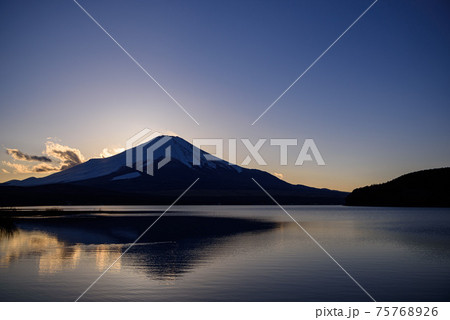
column 110, row 181
column 427, row 188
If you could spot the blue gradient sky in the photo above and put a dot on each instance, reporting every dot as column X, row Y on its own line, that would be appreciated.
column 377, row 104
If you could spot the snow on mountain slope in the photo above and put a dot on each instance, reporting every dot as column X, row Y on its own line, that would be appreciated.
column 92, row 168
column 127, row 176
column 181, row 150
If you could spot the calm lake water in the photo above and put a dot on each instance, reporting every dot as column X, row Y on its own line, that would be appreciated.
column 229, row 253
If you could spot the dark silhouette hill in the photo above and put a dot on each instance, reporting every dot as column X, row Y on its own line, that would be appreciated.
column 427, row 188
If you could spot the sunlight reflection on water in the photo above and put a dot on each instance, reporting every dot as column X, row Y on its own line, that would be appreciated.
column 54, row 255
column 230, row 253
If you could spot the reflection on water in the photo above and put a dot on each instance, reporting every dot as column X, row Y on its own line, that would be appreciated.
column 105, row 255
column 163, row 258
column 230, row 254
column 53, row 255
column 58, row 258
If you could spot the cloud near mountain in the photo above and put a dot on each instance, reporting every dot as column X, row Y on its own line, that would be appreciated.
column 21, row 168
column 106, row 153
column 67, row 156
column 278, row 175
column 19, row 155
column 56, row 157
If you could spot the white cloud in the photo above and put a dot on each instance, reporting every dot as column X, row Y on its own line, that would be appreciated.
column 17, row 167
column 20, row 168
column 108, row 152
column 68, row 156
column 278, row 175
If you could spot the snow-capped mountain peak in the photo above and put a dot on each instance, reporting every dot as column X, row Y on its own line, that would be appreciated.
column 180, row 150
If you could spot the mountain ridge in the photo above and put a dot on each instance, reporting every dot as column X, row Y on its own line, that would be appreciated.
column 114, row 183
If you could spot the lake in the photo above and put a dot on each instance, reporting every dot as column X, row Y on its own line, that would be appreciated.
column 228, row 253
